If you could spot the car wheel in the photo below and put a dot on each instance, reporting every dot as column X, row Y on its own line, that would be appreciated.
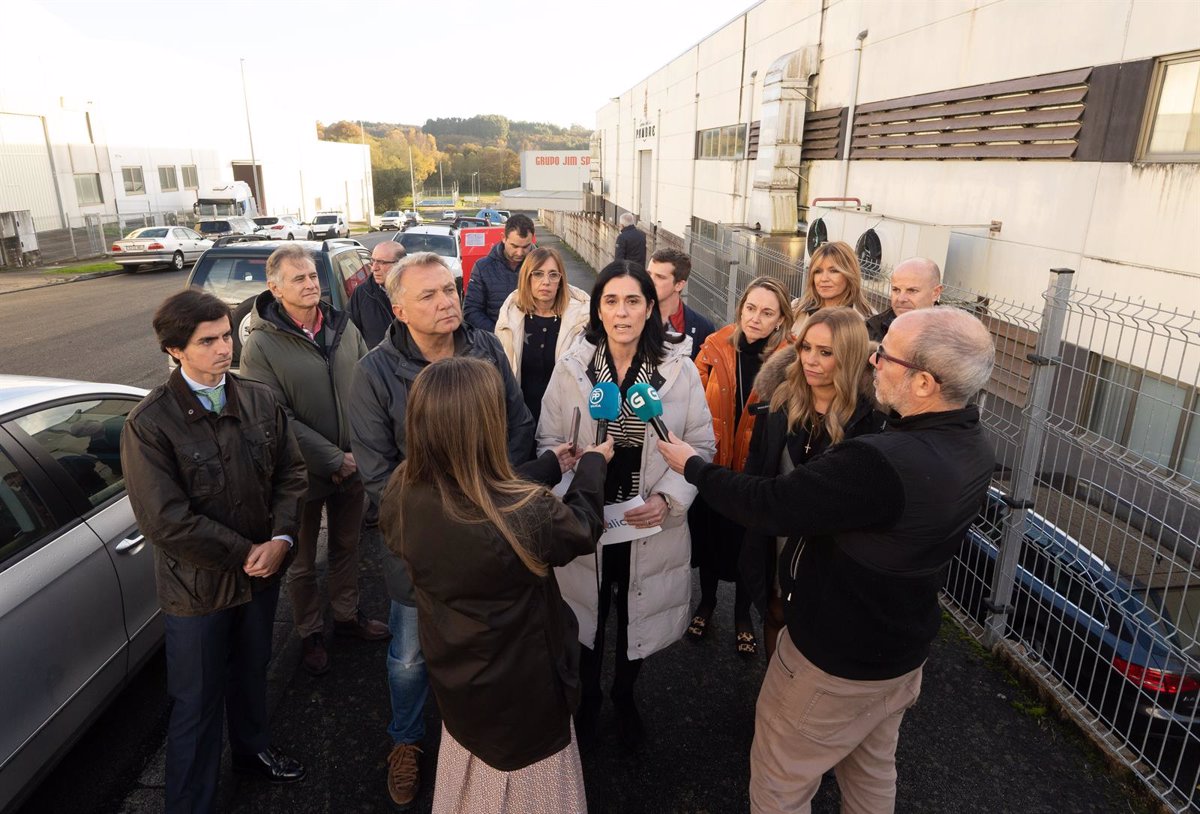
column 311, row 236
column 133, row 268
column 291, row 236
column 241, row 326
column 177, row 261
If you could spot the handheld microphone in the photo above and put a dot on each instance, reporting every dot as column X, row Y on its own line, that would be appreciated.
column 646, row 405
column 604, row 405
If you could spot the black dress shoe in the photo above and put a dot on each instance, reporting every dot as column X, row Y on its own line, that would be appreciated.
column 271, row 765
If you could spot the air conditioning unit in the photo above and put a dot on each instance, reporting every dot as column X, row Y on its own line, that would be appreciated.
column 894, row 238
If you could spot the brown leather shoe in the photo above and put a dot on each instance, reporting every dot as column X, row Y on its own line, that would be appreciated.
column 404, row 774
column 361, row 627
column 316, row 657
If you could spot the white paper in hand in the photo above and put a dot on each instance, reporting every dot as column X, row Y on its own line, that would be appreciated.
column 617, row 530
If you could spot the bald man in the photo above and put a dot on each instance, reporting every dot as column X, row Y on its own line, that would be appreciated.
column 916, row 283
column 369, row 307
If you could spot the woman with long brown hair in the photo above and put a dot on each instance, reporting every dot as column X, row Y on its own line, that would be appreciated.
column 834, row 279
column 500, row 644
column 728, row 362
column 820, row 394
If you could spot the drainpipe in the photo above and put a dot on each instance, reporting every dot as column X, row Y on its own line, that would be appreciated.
column 657, row 164
column 862, row 35
column 695, row 158
column 745, row 155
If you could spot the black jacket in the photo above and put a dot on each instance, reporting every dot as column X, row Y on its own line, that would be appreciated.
column 631, row 246
column 500, row 643
column 877, row 326
column 492, row 280
column 378, row 401
column 206, row 487
column 371, row 311
column 695, row 325
column 881, row 516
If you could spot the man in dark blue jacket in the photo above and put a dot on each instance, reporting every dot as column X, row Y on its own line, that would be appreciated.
column 495, row 276
column 669, row 269
column 872, row 525
column 369, row 308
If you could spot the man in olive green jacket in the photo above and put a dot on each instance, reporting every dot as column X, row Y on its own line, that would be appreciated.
column 306, row 352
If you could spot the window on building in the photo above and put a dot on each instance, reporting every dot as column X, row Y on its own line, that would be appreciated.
column 1173, row 121
column 168, row 179
column 135, row 184
column 87, row 188
column 190, row 179
column 722, row 142
column 1154, row 418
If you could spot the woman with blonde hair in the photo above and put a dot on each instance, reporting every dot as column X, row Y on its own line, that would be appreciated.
column 539, row 321
column 500, row 644
column 820, row 394
column 834, row 279
column 728, row 362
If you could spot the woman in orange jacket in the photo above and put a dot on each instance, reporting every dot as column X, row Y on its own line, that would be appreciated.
column 728, row 362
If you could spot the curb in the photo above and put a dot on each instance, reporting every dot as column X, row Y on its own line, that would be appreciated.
column 94, row 275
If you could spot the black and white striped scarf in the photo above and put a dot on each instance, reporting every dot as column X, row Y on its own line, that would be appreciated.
column 628, row 431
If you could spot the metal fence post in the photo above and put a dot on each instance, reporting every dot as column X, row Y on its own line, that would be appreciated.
column 731, row 295
column 1045, row 358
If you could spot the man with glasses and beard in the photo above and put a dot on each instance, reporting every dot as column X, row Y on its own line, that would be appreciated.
column 872, row 525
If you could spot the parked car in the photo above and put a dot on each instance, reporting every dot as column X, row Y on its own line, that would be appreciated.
column 232, row 225
column 174, row 246
column 1116, row 643
column 80, row 614
column 469, row 222
column 329, row 224
column 286, row 227
column 391, row 219
column 412, row 218
column 449, row 215
column 492, row 216
column 504, row 213
column 237, row 273
column 437, row 238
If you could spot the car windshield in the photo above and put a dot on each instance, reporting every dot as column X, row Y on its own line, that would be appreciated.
column 391, row 214
column 326, row 219
column 210, row 227
column 231, row 279
column 266, row 221
column 151, row 232
column 439, row 244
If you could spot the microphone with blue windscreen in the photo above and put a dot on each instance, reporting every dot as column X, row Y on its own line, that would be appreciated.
column 646, row 405
column 604, row 405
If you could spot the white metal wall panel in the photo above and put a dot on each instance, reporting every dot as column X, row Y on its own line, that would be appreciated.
column 26, row 181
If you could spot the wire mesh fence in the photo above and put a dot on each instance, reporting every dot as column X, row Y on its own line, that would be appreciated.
column 85, row 237
column 1082, row 566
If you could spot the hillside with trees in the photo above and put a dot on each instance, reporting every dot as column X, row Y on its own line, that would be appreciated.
column 486, row 145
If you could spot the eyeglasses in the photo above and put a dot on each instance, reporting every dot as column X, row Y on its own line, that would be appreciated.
column 880, row 353
column 552, row 276
column 375, row 261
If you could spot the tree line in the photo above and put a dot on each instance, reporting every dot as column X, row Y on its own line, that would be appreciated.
column 479, row 152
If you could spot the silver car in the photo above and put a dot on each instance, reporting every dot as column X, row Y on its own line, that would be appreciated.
column 78, row 609
column 175, row 246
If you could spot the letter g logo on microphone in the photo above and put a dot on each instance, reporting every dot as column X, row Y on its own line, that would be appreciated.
column 636, row 401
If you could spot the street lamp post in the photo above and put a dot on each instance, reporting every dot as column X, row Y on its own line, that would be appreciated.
column 475, row 186
column 250, row 133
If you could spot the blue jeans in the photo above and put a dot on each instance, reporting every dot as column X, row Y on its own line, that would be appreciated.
column 407, row 680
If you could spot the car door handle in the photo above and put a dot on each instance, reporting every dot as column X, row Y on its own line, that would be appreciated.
column 131, row 545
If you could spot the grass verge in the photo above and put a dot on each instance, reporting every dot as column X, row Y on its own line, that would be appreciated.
column 84, row 268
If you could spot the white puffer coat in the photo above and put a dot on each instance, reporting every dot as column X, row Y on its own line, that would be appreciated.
column 510, row 326
column 660, row 572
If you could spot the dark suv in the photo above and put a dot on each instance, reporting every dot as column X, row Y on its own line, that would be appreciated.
column 237, row 273
column 1124, row 645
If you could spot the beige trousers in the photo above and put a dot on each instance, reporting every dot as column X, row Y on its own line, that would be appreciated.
column 808, row 722
column 344, row 511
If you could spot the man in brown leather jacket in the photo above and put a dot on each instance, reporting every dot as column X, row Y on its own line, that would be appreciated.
column 215, row 479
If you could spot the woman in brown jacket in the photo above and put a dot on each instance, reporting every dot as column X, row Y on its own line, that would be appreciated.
column 728, row 362
column 500, row 644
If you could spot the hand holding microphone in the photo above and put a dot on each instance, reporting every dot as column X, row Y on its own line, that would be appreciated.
column 604, row 405
column 647, row 405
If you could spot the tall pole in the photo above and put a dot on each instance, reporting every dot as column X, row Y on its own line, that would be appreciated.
column 412, row 179
column 250, row 133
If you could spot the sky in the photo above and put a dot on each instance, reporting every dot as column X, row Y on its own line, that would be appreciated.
column 555, row 61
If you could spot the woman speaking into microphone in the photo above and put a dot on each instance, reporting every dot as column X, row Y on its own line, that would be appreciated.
column 625, row 345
